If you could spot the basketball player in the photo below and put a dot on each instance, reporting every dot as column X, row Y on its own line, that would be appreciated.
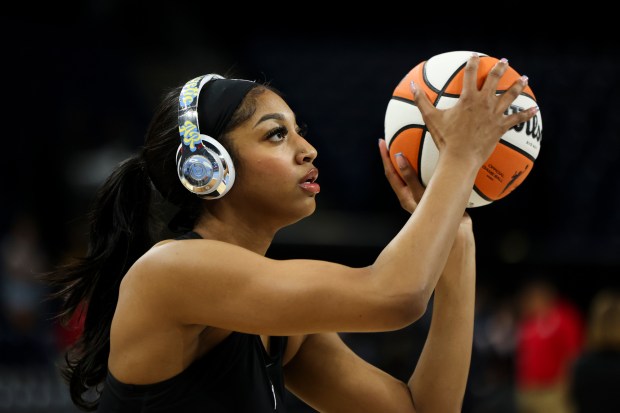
column 206, row 323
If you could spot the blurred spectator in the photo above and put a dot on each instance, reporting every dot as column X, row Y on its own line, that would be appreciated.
column 24, row 334
column 29, row 341
column 492, row 371
column 549, row 339
column 595, row 383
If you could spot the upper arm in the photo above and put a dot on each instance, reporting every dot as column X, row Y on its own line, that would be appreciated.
column 213, row 283
column 328, row 376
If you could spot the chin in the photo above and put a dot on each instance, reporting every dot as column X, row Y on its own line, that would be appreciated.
column 305, row 211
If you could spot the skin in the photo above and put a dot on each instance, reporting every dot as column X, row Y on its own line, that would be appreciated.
column 175, row 303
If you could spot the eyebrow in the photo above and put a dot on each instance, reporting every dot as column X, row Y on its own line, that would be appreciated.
column 277, row 116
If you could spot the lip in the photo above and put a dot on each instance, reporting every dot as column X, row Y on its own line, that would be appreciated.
column 308, row 182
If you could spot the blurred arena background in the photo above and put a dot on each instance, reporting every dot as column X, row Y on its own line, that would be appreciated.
column 79, row 92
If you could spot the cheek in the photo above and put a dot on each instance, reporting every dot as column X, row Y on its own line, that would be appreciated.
column 265, row 170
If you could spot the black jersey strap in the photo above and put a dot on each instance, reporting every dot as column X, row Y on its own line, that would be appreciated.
column 189, row 235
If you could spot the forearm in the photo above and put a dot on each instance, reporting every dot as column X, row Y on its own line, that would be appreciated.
column 412, row 262
column 439, row 380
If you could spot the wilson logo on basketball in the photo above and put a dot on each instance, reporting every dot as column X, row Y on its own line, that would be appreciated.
column 532, row 126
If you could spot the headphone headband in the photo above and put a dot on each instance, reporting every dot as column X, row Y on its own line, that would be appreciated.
column 203, row 165
column 188, row 110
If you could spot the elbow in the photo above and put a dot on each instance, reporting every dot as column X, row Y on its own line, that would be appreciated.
column 400, row 304
column 416, row 306
column 405, row 309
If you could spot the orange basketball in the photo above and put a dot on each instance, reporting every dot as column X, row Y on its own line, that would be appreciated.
column 441, row 78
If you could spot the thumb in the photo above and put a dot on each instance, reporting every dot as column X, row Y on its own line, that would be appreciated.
column 410, row 176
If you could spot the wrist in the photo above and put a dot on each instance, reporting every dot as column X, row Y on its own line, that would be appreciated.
column 461, row 258
column 466, row 164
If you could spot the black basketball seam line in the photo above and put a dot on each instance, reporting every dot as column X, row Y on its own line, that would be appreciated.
column 439, row 95
column 452, row 95
column 517, row 149
column 422, row 138
column 397, row 134
column 420, row 147
column 425, row 130
column 501, row 92
column 402, row 99
column 426, row 81
column 483, row 196
column 443, row 89
column 408, row 126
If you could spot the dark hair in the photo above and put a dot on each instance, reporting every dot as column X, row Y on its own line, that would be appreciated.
column 121, row 230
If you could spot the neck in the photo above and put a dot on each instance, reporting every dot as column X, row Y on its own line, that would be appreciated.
column 225, row 226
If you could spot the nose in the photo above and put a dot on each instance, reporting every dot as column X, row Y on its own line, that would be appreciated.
column 306, row 153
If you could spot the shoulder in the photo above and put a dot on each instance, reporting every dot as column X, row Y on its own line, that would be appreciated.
column 171, row 253
column 153, row 269
column 177, row 264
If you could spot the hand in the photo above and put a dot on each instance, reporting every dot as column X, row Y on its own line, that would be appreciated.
column 474, row 125
column 409, row 191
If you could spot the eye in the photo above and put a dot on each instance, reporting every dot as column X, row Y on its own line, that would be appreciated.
column 277, row 134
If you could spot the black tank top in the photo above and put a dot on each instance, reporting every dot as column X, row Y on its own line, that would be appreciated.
column 235, row 376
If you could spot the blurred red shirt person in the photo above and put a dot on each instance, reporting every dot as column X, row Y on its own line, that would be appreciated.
column 549, row 338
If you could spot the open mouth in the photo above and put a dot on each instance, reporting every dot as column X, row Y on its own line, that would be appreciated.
column 308, row 182
column 310, row 177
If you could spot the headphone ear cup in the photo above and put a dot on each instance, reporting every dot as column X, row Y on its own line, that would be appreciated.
column 209, row 171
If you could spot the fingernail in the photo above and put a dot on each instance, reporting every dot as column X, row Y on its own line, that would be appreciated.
column 504, row 60
column 414, row 88
column 533, row 111
column 400, row 160
column 524, row 80
column 379, row 141
column 475, row 54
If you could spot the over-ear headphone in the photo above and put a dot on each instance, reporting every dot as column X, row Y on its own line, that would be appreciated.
column 204, row 167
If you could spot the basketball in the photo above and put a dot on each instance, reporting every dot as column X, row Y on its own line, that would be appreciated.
column 441, row 78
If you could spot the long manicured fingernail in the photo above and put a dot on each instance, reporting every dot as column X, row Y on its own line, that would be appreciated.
column 533, row 111
column 504, row 60
column 524, row 80
column 379, row 141
column 414, row 88
column 400, row 160
column 475, row 54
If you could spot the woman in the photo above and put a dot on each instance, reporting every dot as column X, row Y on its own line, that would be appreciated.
column 207, row 323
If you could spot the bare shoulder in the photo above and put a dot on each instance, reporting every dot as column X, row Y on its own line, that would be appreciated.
column 175, row 269
column 174, row 255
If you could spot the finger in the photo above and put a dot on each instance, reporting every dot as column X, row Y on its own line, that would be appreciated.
column 520, row 117
column 421, row 100
column 470, row 75
column 410, row 176
column 495, row 74
column 511, row 94
column 392, row 176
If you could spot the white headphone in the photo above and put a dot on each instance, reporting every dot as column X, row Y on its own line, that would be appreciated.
column 204, row 167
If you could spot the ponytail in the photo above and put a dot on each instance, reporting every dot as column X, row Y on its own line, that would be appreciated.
column 119, row 235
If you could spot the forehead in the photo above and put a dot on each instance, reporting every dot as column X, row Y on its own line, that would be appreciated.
column 270, row 102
